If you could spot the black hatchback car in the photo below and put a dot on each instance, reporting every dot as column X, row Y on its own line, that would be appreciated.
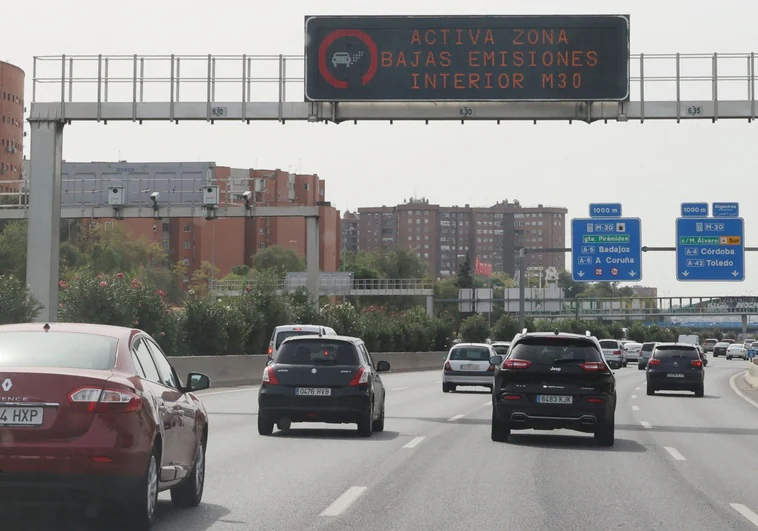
column 676, row 367
column 554, row 381
column 329, row 379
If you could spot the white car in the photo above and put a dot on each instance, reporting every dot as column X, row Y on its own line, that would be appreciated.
column 501, row 347
column 281, row 333
column 613, row 352
column 468, row 364
column 632, row 350
column 736, row 350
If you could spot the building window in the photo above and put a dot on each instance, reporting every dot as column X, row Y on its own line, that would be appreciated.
column 187, row 245
column 262, row 246
column 186, row 261
column 187, row 228
column 306, row 187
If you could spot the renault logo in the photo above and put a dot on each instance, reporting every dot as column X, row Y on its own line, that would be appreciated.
column 7, row 384
column 313, row 370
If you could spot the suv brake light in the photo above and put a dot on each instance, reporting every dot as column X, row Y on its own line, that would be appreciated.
column 448, row 367
column 270, row 350
column 617, row 353
column 360, row 378
column 697, row 363
column 654, row 362
column 594, row 366
column 269, row 376
column 516, row 364
column 98, row 400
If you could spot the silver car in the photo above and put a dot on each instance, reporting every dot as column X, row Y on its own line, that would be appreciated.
column 632, row 350
column 645, row 352
column 468, row 364
column 613, row 352
column 736, row 350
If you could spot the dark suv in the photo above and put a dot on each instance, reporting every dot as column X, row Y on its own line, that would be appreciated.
column 675, row 367
column 554, row 381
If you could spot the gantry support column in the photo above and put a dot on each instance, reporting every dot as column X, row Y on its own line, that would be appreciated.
column 313, row 281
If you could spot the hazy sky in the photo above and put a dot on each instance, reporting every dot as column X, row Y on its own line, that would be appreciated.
column 651, row 168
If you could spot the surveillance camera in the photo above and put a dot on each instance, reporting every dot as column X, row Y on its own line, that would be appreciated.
column 247, row 195
column 154, row 196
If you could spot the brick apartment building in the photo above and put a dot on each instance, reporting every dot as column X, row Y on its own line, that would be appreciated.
column 349, row 226
column 443, row 236
column 11, row 127
column 224, row 243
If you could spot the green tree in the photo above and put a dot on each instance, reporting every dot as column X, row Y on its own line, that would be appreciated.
column 475, row 329
column 571, row 288
column 464, row 279
column 280, row 258
column 505, row 328
column 638, row 332
column 17, row 305
column 13, row 250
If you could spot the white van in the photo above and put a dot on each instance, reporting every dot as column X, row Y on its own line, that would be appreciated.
column 283, row 332
column 689, row 339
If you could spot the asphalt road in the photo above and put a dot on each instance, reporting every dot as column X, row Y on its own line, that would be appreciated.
column 679, row 463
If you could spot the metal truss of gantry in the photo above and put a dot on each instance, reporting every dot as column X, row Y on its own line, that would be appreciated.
column 249, row 88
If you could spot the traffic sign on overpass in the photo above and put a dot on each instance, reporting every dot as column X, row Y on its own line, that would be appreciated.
column 606, row 250
column 710, row 249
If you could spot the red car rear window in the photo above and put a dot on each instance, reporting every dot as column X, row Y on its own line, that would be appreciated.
column 71, row 350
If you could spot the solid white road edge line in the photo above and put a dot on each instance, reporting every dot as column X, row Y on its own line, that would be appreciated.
column 414, row 442
column 675, row 453
column 399, row 388
column 740, row 393
column 487, row 403
column 227, row 392
column 634, row 396
column 645, row 425
column 635, row 408
column 451, row 419
column 341, row 504
column 747, row 513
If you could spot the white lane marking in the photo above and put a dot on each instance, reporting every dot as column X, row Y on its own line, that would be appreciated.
column 637, row 388
column 451, row 419
column 439, row 382
column 341, row 504
column 399, row 388
column 414, row 442
column 635, row 408
column 675, row 453
column 634, row 396
column 740, row 393
column 645, row 425
column 240, row 390
column 487, row 403
column 747, row 513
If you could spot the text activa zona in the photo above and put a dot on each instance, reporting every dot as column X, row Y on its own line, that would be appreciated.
column 516, row 36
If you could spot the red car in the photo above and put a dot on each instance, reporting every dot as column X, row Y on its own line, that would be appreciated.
column 96, row 414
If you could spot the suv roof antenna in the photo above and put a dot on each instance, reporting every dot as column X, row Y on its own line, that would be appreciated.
column 587, row 333
column 557, row 332
column 523, row 331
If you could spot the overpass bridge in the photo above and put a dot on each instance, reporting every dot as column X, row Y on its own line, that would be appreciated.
column 249, row 88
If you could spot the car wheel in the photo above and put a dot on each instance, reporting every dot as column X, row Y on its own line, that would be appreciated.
column 140, row 510
column 700, row 391
column 500, row 430
column 446, row 388
column 640, row 367
column 606, row 433
column 729, row 357
column 265, row 424
column 365, row 423
column 378, row 425
column 650, row 390
column 190, row 493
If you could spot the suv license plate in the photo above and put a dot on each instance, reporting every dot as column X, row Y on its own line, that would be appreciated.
column 554, row 399
column 313, row 391
column 672, row 375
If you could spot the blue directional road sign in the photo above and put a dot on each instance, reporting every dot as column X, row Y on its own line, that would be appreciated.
column 605, row 210
column 723, row 210
column 694, row 210
column 710, row 249
column 606, row 250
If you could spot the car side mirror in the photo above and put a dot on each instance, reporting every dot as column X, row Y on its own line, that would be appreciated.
column 382, row 366
column 496, row 360
column 197, row 382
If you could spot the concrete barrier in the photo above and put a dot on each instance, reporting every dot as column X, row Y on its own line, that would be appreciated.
column 751, row 376
column 230, row 371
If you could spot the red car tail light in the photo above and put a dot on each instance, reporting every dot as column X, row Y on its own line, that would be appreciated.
column 360, row 378
column 491, row 368
column 447, row 366
column 594, row 366
column 269, row 377
column 596, row 400
column 654, row 362
column 697, row 363
column 94, row 400
column 516, row 364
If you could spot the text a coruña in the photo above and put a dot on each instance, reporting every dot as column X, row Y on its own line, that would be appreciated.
column 518, row 56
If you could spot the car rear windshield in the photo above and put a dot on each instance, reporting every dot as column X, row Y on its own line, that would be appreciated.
column 501, row 349
column 317, row 352
column 710, row 342
column 609, row 343
column 284, row 334
column 552, row 350
column 647, row 347
column 672, row 352
column 470, row 354
column 70, row 350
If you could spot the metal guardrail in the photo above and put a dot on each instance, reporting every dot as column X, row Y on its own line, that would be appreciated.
column 701, row 77
column 346, row 287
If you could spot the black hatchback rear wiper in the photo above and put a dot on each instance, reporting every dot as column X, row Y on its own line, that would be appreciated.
column 561, row 361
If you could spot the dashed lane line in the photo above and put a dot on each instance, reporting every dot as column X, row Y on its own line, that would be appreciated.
column 399, row 388
column 675, row 453
column 645, row 425
column 749, row 515
column 414, row 442
column 452, row 419
column 341, row 504
column 634, row 396
column 635, row 408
